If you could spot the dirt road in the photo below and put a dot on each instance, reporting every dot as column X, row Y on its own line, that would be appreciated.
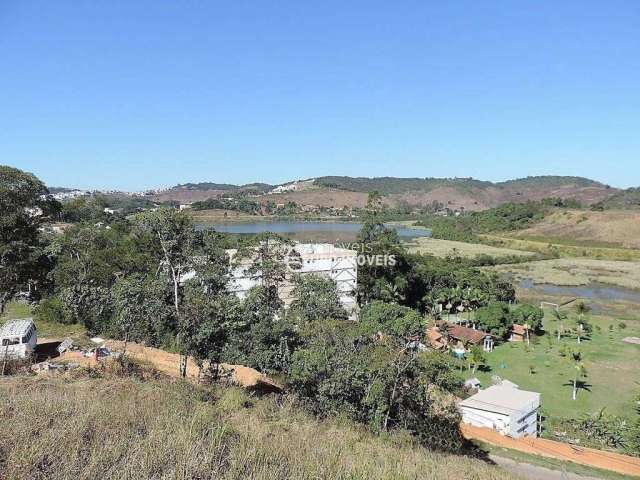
column 614, row 462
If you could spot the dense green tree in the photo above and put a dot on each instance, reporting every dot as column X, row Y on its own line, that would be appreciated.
column 264, row 339
column 525, row 313
column 208, row 322
column 24, row 202
column 315, row 298
column 378, row 381
column 495, row 318
column 141, row 311
column 391, row 319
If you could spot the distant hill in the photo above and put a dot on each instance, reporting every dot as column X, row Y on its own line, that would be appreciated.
column 454, row 193
column 204, row 186
column 628, row 199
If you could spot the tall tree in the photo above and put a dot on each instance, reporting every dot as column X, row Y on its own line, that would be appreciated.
column 23, row 202
column 175, row 237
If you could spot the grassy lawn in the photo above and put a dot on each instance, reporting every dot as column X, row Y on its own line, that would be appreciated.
column 45, row 329
column 611, row 365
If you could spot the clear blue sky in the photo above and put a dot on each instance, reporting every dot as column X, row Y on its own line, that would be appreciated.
column 133, row 94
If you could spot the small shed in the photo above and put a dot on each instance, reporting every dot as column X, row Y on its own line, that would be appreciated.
column 18, row 338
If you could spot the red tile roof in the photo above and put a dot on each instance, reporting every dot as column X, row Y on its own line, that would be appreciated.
column 466, row 334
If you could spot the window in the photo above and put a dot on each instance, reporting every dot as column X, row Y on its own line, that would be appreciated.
column 10, row 341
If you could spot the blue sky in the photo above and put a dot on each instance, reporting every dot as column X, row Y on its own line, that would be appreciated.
column 135, row 94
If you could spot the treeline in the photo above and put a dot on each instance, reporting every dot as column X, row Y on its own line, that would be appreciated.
column 504, row 218
column 239, row 203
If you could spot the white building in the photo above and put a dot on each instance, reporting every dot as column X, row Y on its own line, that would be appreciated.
column 504, row 408
column 18, row 338
column 338, row 264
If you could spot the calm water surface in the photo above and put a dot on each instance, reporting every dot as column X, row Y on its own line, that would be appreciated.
column 327, row 231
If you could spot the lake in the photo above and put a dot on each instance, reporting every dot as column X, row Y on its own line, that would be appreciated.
column 330, row 232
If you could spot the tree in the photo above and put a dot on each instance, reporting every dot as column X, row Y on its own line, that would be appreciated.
column 377, row 381
column 140, row 310
column 476, row 358
column 262, row 340
column 174, row 235
column 495, row 318
column 208, row 321
column 316, row 298
column 581, row 327
column 391, row 319
column 23, row 201
column 530, row 315
column 579, row 370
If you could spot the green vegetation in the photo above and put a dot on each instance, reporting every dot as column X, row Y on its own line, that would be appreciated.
column 122, row 428
column 240, row 204
column 609, row 362
column 505, row 218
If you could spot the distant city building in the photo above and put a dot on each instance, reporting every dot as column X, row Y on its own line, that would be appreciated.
column 504, row 408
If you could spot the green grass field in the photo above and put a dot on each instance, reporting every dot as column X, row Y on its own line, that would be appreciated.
column 613, row 377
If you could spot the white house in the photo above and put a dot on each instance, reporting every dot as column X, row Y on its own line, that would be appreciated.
column 505, row 408
column 18, row 338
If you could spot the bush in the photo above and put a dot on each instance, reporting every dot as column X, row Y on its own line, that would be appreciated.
column 52, row 310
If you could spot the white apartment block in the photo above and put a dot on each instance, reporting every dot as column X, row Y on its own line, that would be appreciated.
column 338, row 264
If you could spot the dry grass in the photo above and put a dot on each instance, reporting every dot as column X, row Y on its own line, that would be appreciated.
column 123, row 428
column 576, row 271
column 563, row 248
column 609, row 228
column 444, row 248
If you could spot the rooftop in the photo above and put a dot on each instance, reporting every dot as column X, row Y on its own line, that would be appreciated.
column 503, row 399
column 16, row 328
column 464, row 333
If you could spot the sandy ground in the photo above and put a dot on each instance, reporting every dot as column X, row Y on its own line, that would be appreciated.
column 168, row 364
column 535, row 472
column 615, row 462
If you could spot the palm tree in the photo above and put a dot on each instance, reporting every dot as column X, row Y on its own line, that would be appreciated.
column 580, row 372
column 476, row 358
column 582, row 309
column 559, row 318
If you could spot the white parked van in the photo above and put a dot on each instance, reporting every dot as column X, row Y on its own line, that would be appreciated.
column 18, row 338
